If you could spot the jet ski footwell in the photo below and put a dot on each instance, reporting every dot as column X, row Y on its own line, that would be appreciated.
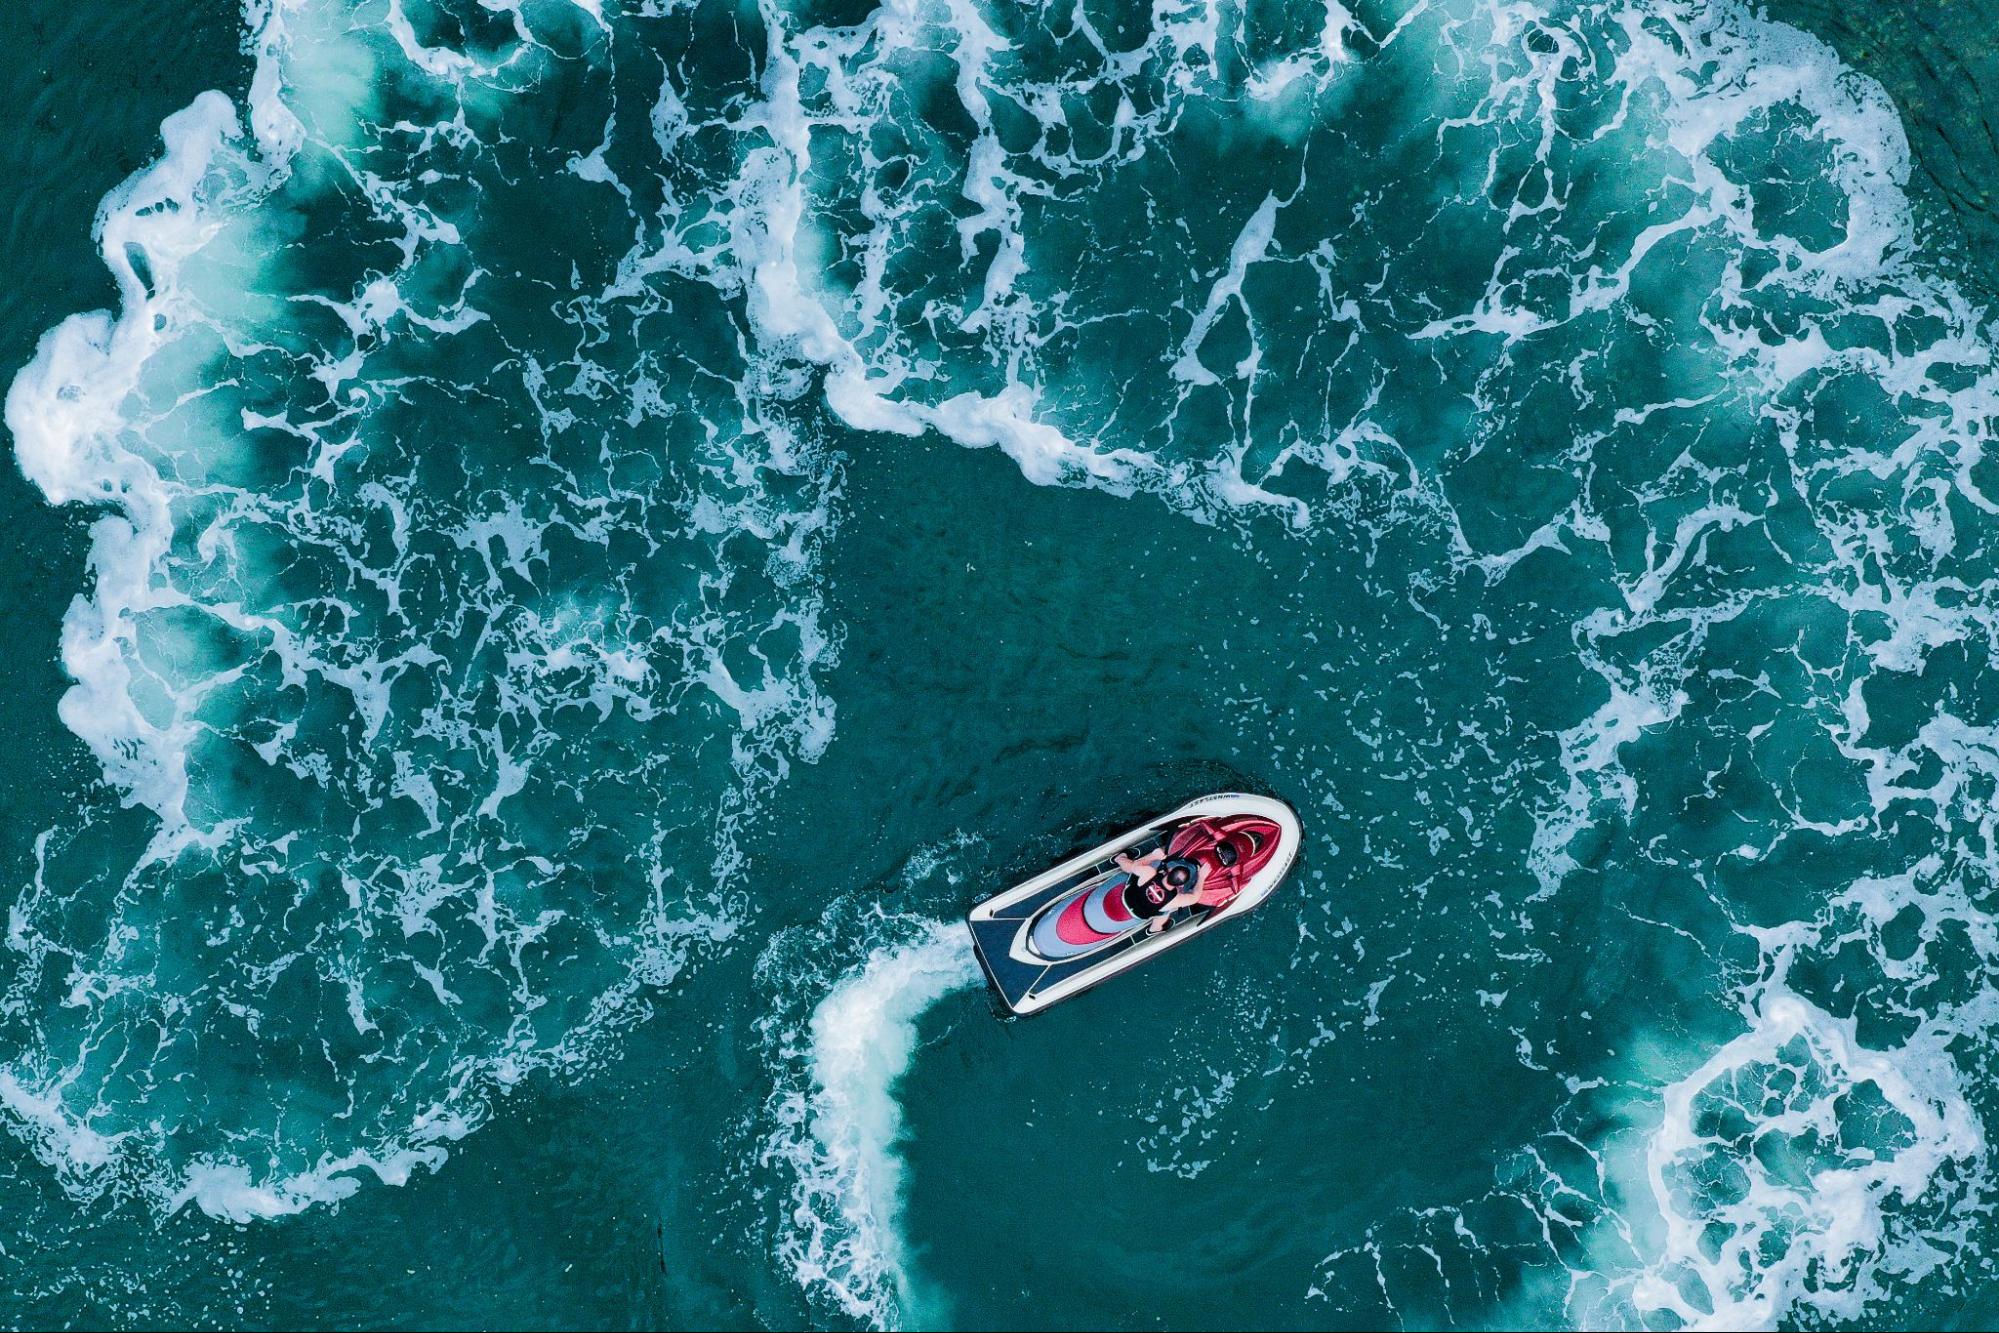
column 1090, row 918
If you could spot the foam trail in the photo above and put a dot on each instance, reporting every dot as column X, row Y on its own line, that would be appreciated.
column 839, row 1131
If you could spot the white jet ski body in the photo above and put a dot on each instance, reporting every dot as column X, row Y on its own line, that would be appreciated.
column 1090, row 918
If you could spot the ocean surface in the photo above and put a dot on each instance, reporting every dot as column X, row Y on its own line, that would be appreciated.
column 552, row 548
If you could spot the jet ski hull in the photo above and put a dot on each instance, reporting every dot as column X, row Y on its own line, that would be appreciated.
column 1083, row 922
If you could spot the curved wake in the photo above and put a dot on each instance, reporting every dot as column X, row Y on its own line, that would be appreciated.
column 836, row 1116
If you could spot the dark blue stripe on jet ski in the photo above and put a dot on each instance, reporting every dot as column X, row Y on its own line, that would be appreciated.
column 1017, row 982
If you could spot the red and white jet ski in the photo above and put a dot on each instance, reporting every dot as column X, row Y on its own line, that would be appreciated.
column 1111, row 908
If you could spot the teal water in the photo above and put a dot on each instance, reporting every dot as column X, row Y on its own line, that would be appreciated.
column 588, row 534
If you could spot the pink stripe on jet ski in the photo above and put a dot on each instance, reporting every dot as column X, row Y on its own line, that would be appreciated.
column 1097, row 913
column 1071, row 928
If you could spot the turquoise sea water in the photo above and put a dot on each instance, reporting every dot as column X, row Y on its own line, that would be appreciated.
column 583, row 536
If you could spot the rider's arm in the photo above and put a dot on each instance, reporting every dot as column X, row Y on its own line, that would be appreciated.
column 1169, row 907
column 1140, row 868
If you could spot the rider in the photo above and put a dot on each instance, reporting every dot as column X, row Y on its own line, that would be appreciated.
column 1156, row 880
column 1203, row 865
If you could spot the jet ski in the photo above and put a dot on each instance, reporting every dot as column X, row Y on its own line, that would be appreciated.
column 1111, row 908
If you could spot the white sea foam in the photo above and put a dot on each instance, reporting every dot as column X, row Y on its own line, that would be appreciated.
column 432, row 948
column 979, row 366
column 838, row 1120
column 1743, row 1223
column 1796, row 1170
column 65, row 411
column 1806, row 1220
column 1698, row 79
